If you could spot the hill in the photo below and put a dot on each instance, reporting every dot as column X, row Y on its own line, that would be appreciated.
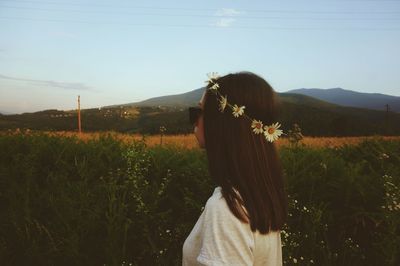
column 191, row 98
column 315, row 117
column 376, row 101
column 178, row 100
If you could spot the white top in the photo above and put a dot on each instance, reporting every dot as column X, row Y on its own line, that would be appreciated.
column 219, row 238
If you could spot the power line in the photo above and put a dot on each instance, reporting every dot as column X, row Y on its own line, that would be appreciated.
column 196, row 15
column 201, row 26
column 113, row 6
column 211, row 9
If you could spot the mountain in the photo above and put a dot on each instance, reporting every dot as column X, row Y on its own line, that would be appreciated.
column 5, row 113
column 178, row 100
column 192, row 98
column 376, row 101
column 315, row 117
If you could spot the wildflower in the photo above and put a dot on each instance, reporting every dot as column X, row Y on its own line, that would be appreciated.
column 272, row 132
column 212, row 76
column 257, row 126
column 294, row 260
column 215, row 86
column 238, row 111
column 222, row 103
column 384, row 156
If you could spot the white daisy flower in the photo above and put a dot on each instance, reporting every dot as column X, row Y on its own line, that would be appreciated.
column 211, row 77
column 215, row 86
column 257, row 126
column 222, row 103
column 272, row 132
column 238, row 111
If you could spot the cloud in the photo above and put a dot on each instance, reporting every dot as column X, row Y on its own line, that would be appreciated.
column 51, row 83
column 226, row 17
column 225, row 22
column 227, row 12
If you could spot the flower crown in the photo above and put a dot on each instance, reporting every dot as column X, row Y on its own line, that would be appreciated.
column 271, row 132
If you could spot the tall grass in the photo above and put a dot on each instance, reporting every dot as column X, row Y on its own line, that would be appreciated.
column 190, row 141
column 68, row 201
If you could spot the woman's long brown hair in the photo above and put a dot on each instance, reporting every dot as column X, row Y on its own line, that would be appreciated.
column 241, row 160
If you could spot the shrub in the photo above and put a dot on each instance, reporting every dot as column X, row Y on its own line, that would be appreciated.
column 64, row 201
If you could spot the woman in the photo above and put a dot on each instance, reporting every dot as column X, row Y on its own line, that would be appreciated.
column 241, row 221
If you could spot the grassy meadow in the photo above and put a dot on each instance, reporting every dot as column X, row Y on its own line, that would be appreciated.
column 189, row 140
column 119, row 199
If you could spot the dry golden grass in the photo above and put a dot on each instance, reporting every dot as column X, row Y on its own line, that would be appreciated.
column 189, row 140
column 336, row 141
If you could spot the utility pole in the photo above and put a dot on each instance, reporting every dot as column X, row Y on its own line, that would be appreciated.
column 387, row 118
column 79, row 114
column 387, row 111
column 387, row 108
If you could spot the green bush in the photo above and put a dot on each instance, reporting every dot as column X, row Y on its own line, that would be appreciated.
column 64, row 201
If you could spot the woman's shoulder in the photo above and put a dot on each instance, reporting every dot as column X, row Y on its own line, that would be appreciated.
column 216, row 200
column 217, row 205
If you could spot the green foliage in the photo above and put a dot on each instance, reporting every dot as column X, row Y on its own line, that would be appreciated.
column 294, row 135
column 315, row 117
column 121, row 119
column 64, row 201
column 336, row 198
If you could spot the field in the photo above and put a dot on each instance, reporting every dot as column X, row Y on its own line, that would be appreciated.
column 189, row 140
column 112, row 199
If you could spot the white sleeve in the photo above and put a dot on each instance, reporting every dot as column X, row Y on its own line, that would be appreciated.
column 225, row 239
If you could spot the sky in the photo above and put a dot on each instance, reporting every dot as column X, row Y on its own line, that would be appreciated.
column 116, row 52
